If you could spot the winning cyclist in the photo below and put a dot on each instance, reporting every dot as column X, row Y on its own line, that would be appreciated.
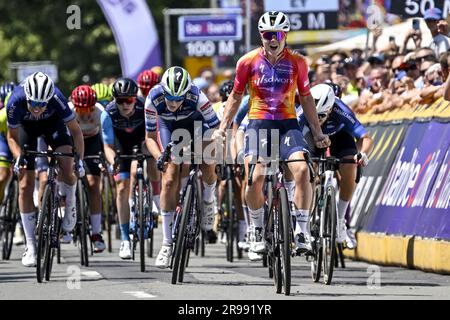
column 88, row 112
column 341, row 124
column 37, row 108
column 123, row 128
column 274, row 73
column 176, row 103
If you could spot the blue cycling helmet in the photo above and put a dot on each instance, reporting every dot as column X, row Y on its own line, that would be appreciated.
column 5, row 89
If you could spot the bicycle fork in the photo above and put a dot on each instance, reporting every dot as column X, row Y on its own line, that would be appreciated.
column 329, row 175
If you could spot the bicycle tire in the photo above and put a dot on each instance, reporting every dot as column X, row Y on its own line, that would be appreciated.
column 48, row 271
column 316, row 264
column 107, row 210
column 231, row 220
column 142, row 226
column 43, row 235
column 81, row 215
column 278, row 274
column 329, row 241
column 11, row 216
column 285, row 239
column 181, row 233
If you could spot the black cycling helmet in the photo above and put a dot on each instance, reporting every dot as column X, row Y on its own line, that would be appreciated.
column 336, row 88
column 125, row 87
column 225, row 89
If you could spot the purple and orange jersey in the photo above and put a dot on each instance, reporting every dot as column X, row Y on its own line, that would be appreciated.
column 272, row 87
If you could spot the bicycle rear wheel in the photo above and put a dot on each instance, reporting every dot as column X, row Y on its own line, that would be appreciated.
column 284, row 233
column 43, row 233
column 329, row 239
column 180, row 245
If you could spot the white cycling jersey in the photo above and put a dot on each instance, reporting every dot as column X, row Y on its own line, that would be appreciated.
column 90, row 123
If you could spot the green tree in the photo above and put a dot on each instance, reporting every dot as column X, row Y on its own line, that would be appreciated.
column 32, row 30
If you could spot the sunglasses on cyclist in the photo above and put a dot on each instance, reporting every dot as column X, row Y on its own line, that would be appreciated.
column 322, row 115
column 129, row 100
column 277, row 35
column 173, row 98
column 37, row 104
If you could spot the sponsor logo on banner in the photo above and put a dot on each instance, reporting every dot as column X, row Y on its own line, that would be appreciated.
column 416, row 184
column 387, row 142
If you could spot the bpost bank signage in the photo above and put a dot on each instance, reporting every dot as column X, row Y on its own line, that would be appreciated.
column 208, row 36
column 194, row 28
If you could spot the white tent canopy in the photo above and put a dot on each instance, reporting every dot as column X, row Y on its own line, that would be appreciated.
column 399, row 31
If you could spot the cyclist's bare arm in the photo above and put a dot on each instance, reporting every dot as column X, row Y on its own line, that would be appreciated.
column 110, row 153
column 77, row 135
column 309, row 109
column 152, row 144
column 13, row 142
column 365, row 144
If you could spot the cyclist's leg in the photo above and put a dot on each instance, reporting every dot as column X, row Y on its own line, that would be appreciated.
column 344, row 146
column 26, row 207
column 58, row 138
column 170, row 183
column 256, row 144
column 292, row 147
column 93, row 146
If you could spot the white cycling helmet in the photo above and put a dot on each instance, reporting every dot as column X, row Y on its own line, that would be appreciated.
column 324, row 97
column 176, row 81
column 39, row 87
column 274, row 21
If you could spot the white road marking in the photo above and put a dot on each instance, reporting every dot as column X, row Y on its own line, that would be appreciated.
column 139, row 294
column 91, row 274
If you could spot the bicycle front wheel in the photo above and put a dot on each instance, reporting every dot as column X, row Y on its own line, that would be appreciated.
column 142, row 225
column 231, row 219
column 43, row 233
column 284, row 233
column 329, row 239
column 180, row 245
column 82, row 220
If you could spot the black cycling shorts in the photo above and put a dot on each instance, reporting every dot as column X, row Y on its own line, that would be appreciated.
column 53, row 130
column 92, row 147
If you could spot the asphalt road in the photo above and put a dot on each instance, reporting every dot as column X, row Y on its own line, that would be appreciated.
column 210, row 277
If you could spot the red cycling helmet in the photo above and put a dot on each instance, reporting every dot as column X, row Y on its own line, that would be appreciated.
column 84, row 97
column 147, row 79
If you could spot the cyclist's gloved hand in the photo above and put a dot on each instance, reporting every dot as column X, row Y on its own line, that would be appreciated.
column 20, row 163
column 362, row 159
column 160, row 163
column 80, row 169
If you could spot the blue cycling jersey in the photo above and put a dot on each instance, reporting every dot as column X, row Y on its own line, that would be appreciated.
column 196, row 106
column 114, row 125
column 18, row 110
column 341, row 118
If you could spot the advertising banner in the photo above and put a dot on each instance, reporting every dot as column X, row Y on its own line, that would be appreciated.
column 417, row 8
column 135, row 33
column 410, row 182
column 387, row 141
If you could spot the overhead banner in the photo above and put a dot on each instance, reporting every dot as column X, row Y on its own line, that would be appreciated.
column 387, row 141
column 417, row 8
column 135, row 33
column 416, row 196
